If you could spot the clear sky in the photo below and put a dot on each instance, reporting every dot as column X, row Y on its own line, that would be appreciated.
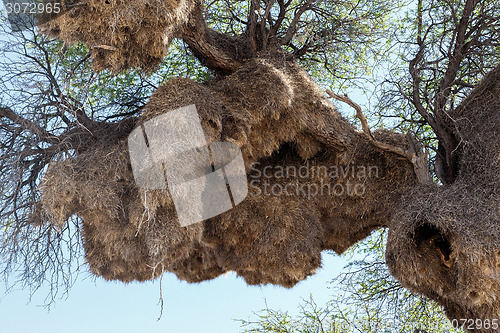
column 208, row 307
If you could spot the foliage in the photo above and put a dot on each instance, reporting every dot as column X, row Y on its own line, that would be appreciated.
column 338, row 42
column 442, row 49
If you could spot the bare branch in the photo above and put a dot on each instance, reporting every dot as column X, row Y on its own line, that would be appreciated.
column 41, row 133
column 459, row 51
column 279, row 21
column 415, row 73
column 265, row 17
column 359, row 112
column 253, row 17
column 414, row 154
column 293, row 25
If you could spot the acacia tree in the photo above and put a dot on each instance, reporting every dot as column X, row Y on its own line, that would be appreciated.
column 443, row 239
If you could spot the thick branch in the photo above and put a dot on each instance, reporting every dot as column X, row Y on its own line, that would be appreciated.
column 437, row 117
column 359, row 112
column 279, row 20
column 459, row 52
column 34, row 128
column 263, row 21
column 252, row 23
column 293, row 25
column 215, row 50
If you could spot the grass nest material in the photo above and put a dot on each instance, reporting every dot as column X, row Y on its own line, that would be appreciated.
column 120, row 34
column 281, row 121
column 445, row 242
column 122, row 241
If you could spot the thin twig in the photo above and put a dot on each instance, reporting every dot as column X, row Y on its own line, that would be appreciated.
column 160, row 301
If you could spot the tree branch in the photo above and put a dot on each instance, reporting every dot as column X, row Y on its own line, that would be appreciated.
column 415, row 73
column 215, row 50
column 459, row 51
column 263, row 21
column 252, row 23
column 359, row 112
column 414, row 154
column 293, row 25
column 34, row 128
column 281, row 16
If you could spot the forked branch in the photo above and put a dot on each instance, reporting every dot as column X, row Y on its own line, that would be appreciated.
column 415, row 154
column 206, row 44
column 28, row 125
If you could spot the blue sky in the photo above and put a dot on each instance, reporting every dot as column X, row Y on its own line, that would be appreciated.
column 208, row 307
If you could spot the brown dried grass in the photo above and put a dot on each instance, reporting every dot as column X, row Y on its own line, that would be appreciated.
column 120, row 34
column 445, row 241
column 278, row 116
column 123, row 239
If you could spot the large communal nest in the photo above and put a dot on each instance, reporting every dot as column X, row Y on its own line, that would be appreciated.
column 120, row 237
column 445, row 242
column 340, row 186
column 120, row 34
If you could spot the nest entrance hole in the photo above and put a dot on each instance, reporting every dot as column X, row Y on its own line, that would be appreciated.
column 428, row 235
